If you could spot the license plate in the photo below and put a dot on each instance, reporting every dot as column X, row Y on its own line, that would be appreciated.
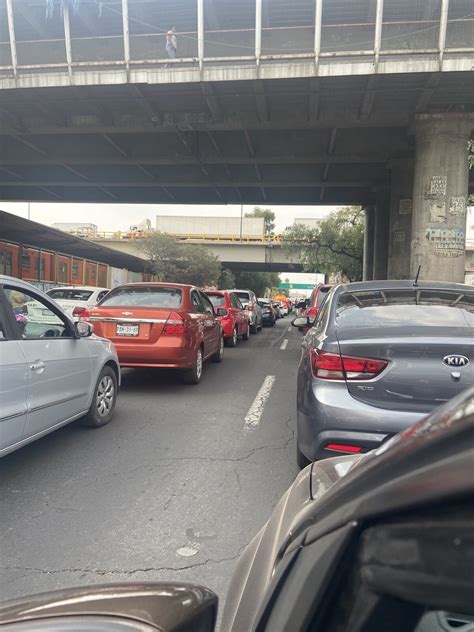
column 127, row 330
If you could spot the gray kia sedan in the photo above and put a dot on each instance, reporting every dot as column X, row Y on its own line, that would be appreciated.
column 381, row 355
column 52, row 370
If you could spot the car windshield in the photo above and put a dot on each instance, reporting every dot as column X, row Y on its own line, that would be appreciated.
column 414, row 306
column 244, row 296
column 218, row 300
column 70, row 294
column 144, row 296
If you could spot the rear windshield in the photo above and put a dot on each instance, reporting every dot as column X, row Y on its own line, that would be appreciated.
column 143, row 296
column 244, row 296
column 323, row 292
column 217, row 300
column 70, row 295
column 416, row 307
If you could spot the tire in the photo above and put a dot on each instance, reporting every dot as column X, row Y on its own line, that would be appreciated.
column 219, row 354
column 253, row 329
column 246, row 334
column 194, row 375
column 103, row 401
column 273, row 322
column 301, row 460
column 232, row 342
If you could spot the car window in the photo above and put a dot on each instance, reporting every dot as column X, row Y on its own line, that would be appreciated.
column 243, row 296
column 144, row 296
column 69, row 294
column 102, row 294
column 234, row 301
column 415, row 307
column 323, row 317
column 208, row 309
column 34, row 316
column 197, row 303
column 217, row 300
column 3, row 334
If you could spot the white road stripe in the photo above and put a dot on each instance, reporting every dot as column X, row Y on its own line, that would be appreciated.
column 252, row 418
column 284, row 344
column 290, row 328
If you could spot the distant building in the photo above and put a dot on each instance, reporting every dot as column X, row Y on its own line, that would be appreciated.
column 48, row 257
column 76, row 228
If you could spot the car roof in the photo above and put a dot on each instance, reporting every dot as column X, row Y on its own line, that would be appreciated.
column 404, row 284
column 78, row 287
column 429, row 463
column 182, row 286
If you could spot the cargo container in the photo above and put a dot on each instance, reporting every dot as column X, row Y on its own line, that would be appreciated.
column 211, row 227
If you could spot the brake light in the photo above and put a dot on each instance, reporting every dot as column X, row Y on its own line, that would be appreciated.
column 174, row 325
column 78, row 311
column 332, row 366
column 312, row 312
column 250, row 307
column 343, row 447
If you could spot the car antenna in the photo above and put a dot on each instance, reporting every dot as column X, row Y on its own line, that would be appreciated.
column 415, row 282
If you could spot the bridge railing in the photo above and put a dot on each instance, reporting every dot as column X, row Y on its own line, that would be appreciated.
column 134, row 235
column 132, row 33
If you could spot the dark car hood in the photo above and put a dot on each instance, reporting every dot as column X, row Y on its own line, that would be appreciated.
column 258, row 562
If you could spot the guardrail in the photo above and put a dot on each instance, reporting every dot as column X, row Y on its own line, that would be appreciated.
column 137, row 235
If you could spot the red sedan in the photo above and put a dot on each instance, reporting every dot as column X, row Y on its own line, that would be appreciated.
column 165, row 325
column 234, row 319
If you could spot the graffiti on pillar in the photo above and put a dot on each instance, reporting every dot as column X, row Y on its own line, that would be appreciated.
column 447, row 242
column 457, row 206
column 399, row 236
column 438, row 185
column 404, row 206
column 437, row 211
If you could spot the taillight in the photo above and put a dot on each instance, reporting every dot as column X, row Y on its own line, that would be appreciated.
column 78, row 311
column 174, row 325
column 312, row 312
column 344, row 447
column 250, row 307
column 332, row 366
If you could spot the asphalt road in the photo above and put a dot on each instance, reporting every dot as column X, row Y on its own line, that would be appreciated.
column 172, row 489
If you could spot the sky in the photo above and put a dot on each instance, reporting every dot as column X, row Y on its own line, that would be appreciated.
column 113, row 217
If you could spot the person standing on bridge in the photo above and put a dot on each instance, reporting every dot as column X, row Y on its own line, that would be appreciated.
column 171, row 43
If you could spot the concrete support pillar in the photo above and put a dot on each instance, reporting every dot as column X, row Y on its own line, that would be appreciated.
column 439, row 196
column 368, row 263
column 399, row 250
column 382, row 221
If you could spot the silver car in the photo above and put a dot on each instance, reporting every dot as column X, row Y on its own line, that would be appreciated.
column 381, row 355
column 250, row 303
column 52, row 370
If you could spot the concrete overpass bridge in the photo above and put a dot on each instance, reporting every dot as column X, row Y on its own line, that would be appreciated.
column 269, row 102
column 254, row 255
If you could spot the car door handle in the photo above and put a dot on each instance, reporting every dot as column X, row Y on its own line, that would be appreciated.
column 37, row 366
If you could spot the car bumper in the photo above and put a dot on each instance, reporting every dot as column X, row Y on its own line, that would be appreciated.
column 328, row 414
column 268, row 318
column 171, row 353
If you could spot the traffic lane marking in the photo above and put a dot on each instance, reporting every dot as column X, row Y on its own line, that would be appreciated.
column 284, row 344
column 252, row 418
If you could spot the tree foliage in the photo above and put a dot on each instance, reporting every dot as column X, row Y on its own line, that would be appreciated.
column 258, row 282
column 334, row 247
column 226, row 279
column 268, row 218
column 180, row 263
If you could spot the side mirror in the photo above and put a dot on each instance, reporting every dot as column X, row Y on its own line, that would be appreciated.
column 83, row 329
column 221, row 312
column 301, row 322
column 158, row 606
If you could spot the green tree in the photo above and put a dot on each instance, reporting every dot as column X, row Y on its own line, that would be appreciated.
column 258, row 282
column 335, row 246
column 180, row 263
column 268, row 218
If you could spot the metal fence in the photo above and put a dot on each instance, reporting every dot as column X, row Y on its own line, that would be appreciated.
column 36, row 34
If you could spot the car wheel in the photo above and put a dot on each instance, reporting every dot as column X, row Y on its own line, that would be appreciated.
column 253, row 329
column 219, row 354
column 246, row 334
column 232, row 342
column 193, row 376
column 273, row 322
column 103, row 401
column 301, row 460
